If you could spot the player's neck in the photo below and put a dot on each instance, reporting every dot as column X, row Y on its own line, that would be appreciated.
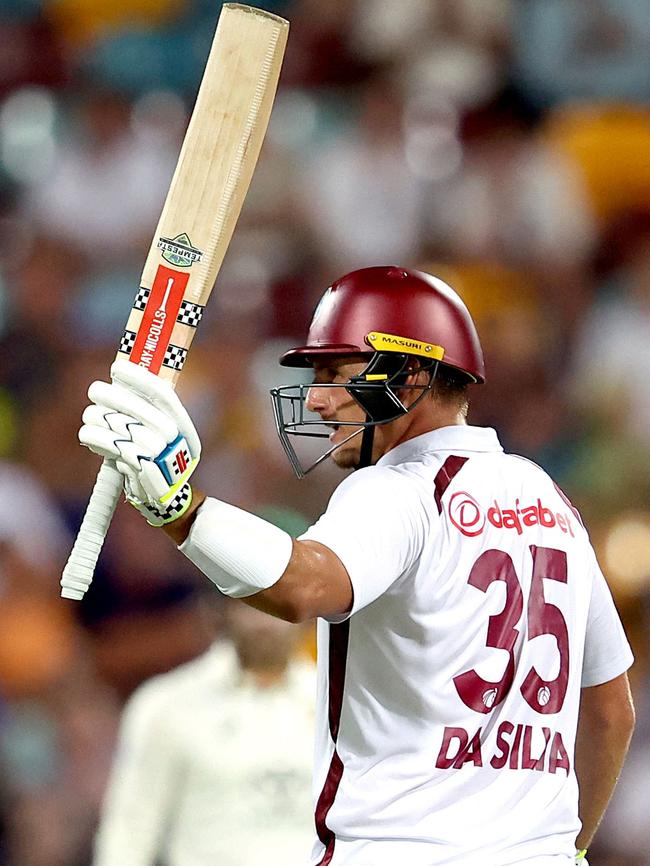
column 425, row 421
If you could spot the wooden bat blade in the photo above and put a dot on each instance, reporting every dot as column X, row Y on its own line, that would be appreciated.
column 212, row 176
column 214, row 170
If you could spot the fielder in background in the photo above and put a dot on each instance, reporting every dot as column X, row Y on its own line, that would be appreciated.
column 213, row 764
column 473, row 703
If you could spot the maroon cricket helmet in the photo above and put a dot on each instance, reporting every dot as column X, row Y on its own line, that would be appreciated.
column 392, row 309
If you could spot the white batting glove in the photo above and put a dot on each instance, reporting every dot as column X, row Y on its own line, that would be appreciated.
column 139, row 423
column 581, row 858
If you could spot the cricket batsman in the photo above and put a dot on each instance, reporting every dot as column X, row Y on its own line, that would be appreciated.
column 473, row 702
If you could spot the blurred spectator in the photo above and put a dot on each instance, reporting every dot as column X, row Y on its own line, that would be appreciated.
column 515, row 199
column 570, row 50
column 360, row 196
column 35, row 342
column 141, row 611
column 39, row 638
column 214, row 759
column 523, row 342
column 57, row 722
column 108, row 185
column 608, row 145
column 83, row 20
column 383, row 30
column 32, row 49
column 30, row 506
column 56, row 753
column 610, row 375
column 612, row 350
column 320, row 52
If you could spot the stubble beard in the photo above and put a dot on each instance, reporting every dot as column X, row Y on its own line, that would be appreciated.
column 348, row 455
column 346, row 458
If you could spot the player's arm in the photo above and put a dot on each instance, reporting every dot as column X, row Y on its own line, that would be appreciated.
column 605, row 727
column 371, row 534
column 139, row 423
column 313, row 583
column 352, row 555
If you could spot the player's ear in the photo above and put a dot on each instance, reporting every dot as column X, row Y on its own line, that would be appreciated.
column 414, row 369
column 416, row 373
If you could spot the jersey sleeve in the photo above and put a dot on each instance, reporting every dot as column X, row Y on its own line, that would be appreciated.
column 607, row 651
column 142, row 784
column 376, row 523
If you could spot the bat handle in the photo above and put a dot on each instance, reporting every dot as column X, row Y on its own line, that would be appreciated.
column 80, row 567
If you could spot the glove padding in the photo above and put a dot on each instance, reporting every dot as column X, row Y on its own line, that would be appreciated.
column 139, row 423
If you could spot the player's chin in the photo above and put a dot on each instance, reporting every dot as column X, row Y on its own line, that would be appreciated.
column 346, row 458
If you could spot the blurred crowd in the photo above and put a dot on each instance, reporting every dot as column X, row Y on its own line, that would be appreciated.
column 501, row 144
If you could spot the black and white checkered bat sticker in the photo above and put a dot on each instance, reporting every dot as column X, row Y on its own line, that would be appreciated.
column 189, row 314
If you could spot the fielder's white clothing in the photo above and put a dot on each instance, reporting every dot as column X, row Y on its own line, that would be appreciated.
column 448, row 699
column 212, row 770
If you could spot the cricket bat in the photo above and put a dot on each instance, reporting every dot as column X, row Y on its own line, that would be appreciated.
column 212, row 176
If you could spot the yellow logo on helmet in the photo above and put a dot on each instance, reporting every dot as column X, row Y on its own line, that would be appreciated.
column 392, row 343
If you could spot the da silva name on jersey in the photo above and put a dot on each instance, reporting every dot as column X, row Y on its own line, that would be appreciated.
column 517, row 747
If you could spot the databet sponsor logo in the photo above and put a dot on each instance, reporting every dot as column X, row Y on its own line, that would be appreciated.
column 471, row 518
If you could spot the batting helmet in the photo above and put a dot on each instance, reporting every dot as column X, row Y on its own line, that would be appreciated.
column 392, row 309
column 390, row 315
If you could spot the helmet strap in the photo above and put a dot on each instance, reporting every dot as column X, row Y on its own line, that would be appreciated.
column 367, row 440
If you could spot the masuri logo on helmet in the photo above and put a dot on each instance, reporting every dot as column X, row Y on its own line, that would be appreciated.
column 391, row 343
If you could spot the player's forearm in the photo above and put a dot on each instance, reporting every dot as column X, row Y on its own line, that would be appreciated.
column 604, row 732
column 599, row 759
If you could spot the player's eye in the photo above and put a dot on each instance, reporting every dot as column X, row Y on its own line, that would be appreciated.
column 327, row 376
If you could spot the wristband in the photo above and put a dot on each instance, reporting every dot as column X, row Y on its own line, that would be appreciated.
column 158, row 514
column 162, row 515
column 240, row 553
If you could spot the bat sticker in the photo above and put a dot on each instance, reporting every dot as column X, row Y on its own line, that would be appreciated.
column 179, row 251
column 175, row 357
column 127, row 341
column 159, row 317
column 190, row 314
column 141, row 299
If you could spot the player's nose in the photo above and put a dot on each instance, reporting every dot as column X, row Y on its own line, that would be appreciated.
column 319, row 399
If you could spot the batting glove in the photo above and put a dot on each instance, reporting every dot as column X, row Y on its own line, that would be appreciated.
column 581, row 858
column 139, row 423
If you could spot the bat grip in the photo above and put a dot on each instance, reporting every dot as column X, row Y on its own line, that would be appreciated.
column 80, row 567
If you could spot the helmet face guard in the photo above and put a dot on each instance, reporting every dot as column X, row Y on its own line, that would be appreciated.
column 376, row 390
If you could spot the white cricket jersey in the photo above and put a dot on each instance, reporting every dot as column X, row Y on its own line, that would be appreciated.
column 448, row 699
column 212, row 770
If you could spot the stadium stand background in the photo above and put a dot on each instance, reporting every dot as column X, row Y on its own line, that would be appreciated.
column 503, row 145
